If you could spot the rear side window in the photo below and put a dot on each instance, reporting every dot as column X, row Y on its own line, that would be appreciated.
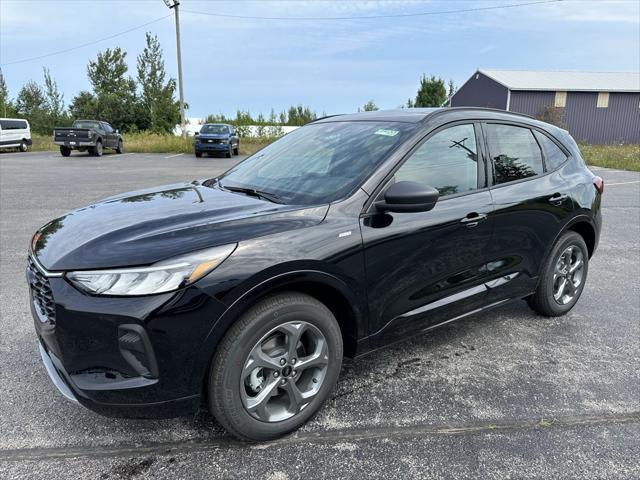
column 13, row 124
column 447, row 161
column 553, row 156
column 514, row 151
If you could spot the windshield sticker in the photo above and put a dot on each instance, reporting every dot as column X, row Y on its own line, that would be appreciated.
column 388, row 133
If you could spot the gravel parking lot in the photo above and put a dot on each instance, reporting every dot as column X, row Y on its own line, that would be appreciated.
column 505, row 394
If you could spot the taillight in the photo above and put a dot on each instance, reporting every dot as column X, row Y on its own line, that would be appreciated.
column 598, row 182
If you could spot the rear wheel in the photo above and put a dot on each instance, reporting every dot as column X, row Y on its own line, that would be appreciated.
column 275, row 367
column 97, row 150
column 65, row 151
column 23, row 146
column 563, row 278
column 120, row 147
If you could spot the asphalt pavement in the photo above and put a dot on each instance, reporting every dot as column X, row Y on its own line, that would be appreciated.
column 503, row 394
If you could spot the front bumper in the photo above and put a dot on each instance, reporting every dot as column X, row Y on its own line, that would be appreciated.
column 211, row 147
column 84, row 346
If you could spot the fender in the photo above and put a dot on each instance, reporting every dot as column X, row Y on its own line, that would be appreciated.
column 262, row 288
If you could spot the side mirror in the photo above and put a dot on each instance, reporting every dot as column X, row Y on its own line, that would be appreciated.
column 409, row 197
column 195, row 133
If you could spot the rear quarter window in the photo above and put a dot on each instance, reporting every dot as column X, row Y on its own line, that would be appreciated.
column 553, row 155
column 514, row 151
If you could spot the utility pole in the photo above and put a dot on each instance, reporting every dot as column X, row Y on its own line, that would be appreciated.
column 174, row 5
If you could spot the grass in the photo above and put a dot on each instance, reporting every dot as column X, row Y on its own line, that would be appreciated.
column 623, row 157
column 154, row 143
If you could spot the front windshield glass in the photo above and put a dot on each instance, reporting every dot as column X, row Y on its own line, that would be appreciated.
column 319, row 163
column 214, row 129
column 85, row 124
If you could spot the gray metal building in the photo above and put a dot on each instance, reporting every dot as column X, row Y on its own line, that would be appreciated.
column 595, row 107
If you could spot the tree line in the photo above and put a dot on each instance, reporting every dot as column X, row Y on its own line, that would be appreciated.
column 147, row 102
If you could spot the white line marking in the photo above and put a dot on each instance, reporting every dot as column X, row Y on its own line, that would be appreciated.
column 176, row 155
column 620, row 183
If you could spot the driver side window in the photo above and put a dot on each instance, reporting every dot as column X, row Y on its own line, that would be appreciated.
column 448, row 161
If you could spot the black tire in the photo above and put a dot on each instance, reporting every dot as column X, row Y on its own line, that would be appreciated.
column 543, row 300
column 120, row 147
column 229, row 153
column 23, row 146
column 97, row 150
column 236, row 151
column 65, row 151
column 198, row 154
column 226, row 378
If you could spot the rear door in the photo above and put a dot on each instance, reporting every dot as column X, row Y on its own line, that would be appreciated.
column 424, row 268
column 110, row 136
column 531, row 202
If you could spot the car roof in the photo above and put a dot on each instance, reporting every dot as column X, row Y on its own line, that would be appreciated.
column 420, row 115
column 222, row 124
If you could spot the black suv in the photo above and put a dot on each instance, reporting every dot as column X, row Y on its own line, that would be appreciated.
column 244, row 291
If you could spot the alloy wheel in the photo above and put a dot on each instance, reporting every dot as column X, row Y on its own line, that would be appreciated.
column 568, row 274
column 284, row 371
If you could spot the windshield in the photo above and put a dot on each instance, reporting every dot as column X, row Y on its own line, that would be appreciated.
column 85, row 124
column 214, row 129
column 319, row 163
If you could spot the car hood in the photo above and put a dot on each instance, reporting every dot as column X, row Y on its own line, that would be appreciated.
column 146, row 226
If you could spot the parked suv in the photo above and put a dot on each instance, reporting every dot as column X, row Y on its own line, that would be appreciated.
column 245, row 291
column 216, row 138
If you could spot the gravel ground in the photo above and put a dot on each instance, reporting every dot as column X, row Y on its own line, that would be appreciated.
column 504, row 394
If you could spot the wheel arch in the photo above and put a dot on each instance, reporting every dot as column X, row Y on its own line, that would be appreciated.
column 327, row 288
column 587, row 231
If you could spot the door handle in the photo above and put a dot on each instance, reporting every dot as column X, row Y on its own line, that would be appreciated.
column 473, row 219
column 558, row 198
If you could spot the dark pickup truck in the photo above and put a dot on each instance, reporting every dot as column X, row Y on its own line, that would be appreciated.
column 92, row 136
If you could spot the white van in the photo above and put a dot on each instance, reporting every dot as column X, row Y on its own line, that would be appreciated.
column 15, row 132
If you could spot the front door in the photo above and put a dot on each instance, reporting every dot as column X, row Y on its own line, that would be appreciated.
column 428, row 267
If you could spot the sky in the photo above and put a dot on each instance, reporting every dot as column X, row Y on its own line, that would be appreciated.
column 334, row 66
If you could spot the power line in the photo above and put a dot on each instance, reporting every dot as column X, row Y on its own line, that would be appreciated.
column 369, row 17
column 76, row 47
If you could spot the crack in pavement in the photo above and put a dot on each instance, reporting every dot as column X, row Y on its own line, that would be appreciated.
column 326, row 436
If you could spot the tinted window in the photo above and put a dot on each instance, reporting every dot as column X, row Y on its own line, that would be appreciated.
column 552, row 153
column 320, row 162
column 447, row 161
column 515, row 152
column 219, row 129
column 107, row 128
column 87, row 124
column 13, row 124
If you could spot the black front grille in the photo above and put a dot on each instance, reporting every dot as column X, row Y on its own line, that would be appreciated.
column 211, row 140
column 41, row 292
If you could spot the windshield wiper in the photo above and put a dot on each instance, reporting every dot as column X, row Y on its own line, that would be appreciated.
column 271, row 197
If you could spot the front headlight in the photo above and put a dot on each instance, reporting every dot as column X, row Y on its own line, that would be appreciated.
column 160, row 277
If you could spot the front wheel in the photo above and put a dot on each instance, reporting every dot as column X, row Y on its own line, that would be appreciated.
column 229, row 152
column 275, row 367
column 563, row 278
column 236, row 151
column 120, row 147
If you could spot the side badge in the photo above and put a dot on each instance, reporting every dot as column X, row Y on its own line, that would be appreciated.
column 344, row 234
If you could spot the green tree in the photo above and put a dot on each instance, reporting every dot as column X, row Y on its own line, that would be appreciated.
column 299, row 115
column 158, row 102
column 32, row 104
column 54, row 101
column 431, row 93
column 115, row 99
column 7, row 108
column 84, row 106
column 370, row 106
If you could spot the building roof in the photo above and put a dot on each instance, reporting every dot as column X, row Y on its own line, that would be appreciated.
column 566, row 80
